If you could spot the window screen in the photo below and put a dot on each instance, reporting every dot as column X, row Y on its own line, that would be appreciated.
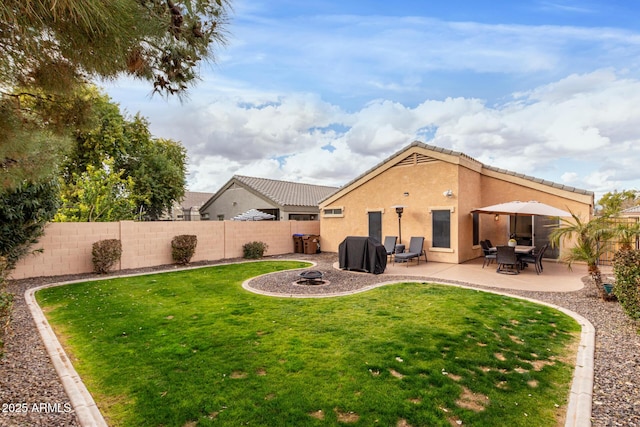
column 441, row 228
column 476, row 228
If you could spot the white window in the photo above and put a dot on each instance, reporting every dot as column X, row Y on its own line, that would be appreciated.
column 333, row 211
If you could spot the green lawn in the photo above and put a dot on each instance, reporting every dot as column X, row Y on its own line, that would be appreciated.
column 193, row 348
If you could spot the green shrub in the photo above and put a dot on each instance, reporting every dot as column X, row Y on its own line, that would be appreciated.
column 183, row 247
column 626, row 266
column 254, row 250
column 105, row 254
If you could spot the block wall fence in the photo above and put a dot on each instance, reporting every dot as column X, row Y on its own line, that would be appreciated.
column 66, row 247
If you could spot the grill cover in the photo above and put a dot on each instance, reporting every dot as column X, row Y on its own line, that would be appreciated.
column 362, row 254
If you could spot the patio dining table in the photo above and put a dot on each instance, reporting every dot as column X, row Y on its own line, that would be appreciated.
column 520, row 249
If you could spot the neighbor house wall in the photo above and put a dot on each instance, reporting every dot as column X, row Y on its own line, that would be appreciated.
column 66, row 247
column 234, row 201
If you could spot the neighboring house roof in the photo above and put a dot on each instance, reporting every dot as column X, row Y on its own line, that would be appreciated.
column 463, row 158
column 635, row 210
column 283, row 193
column 194, row 199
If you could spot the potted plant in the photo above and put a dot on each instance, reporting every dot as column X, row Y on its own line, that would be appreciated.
column 512, row 243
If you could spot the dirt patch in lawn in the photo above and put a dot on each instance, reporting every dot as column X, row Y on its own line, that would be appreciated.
column 236, row 375
column 346, row 417
column 472, row 401
column 318, row 415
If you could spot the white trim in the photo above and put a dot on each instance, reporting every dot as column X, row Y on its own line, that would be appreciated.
column 446, row 250
column 451, row 209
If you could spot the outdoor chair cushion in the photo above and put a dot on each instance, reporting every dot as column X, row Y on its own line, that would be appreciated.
column 390, row 244
column 415, row 251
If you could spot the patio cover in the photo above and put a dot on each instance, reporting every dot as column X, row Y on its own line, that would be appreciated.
column 253, row 215
column 362, row 254
column 522, row 208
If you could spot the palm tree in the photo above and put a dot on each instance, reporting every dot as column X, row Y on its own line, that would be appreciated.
column 626, row 234
column 590, row 242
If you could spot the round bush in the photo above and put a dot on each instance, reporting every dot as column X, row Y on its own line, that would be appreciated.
column 183, row 247
column 105, row 254
column 254, row 250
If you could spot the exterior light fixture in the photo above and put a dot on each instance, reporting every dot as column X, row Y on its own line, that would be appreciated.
column 448, row 194
column 497, row 217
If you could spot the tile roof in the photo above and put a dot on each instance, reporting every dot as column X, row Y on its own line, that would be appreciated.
column 286, row 193
column 465, row 156
column 194, row 199
column 504, row 171
column 633, row 210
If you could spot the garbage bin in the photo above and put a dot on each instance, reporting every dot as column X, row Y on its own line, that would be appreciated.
column 298, row 245
column 311, row 243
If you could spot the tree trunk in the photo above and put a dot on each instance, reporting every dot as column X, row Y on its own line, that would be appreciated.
column 596, row 278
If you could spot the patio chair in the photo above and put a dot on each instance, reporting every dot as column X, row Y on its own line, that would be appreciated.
column 415, row 251
column 488, row 242
column 489, row 255
column 507, row 260
column 535, row 258
column 390, row 245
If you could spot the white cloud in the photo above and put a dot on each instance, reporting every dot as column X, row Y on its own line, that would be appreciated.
column 322, row 98
column 586, row 139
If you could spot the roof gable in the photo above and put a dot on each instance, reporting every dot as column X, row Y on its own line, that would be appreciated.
column 420, row 153
column 194, row 199
column 632, row 211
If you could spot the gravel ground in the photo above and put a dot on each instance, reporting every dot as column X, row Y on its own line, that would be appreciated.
column 28, row 377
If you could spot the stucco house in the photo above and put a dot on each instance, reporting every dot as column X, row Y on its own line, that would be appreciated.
column 283, row 199
column 438, row 189
column 187, row 209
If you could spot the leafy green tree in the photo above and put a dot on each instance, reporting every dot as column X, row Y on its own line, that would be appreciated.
column 157, row 167
column 52, row 48
column 54, row 45
column 589, row 242
column 158, row 170
column 24, row 212
column 612, row 203
column 100, row 194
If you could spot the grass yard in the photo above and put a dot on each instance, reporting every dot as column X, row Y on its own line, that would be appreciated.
column 193, row 348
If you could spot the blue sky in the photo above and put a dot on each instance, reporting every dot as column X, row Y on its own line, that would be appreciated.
column 321, row 91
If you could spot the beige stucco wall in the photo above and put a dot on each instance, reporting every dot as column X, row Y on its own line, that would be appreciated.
column 468, row 197
column 424, row 183
column 66, row 247
column 472, row 185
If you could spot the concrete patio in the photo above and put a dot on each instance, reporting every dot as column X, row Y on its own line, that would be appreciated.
column 556, row 277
